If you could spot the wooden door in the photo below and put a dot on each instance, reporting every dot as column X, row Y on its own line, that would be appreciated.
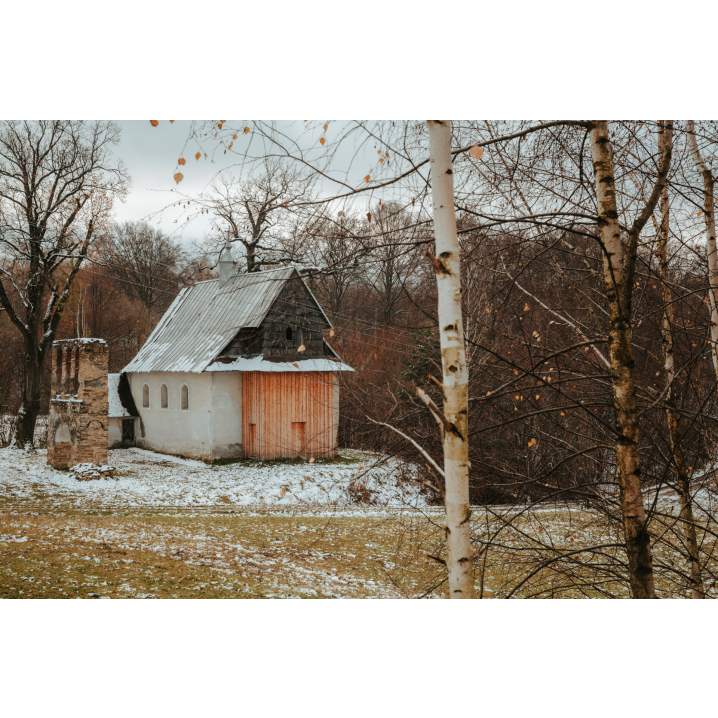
column 285, row 414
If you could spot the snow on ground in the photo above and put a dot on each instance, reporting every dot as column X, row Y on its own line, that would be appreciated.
column 146, row 478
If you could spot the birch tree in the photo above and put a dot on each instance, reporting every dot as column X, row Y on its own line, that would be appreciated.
column 618, row 276
column 672, row 416
column 710, row 230
column 455, row 428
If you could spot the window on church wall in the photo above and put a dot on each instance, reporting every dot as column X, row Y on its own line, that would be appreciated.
column 185, row 398
column 163, row 396
column 288, row 334
column 145, row 397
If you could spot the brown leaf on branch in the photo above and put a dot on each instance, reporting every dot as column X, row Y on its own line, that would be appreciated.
column 179, row 177
column 181, row 161
column 198, row 155
column 476, row 152
column 154, row 123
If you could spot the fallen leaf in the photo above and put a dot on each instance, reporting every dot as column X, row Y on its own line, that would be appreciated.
column 311, row 461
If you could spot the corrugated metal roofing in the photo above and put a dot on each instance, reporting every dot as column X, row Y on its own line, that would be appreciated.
column 204, row 318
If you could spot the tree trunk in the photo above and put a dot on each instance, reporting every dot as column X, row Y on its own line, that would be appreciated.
column 616, row 281
column 711, row 251
column 252, row 265
column 30, row 407
column 682, row 478
column 453, row 360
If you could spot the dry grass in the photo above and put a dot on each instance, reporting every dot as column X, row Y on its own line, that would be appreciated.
column 222, row 553
column 212, row 554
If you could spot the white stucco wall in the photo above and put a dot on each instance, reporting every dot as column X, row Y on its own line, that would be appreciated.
column 226, row 414
column 172, row 430
column 210, row 428
column 114, row 432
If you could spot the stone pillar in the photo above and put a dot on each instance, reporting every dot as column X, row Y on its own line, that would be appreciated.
column 78, row 423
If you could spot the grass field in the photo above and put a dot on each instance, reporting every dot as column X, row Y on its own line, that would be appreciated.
column 212, row 554
column 60, row 538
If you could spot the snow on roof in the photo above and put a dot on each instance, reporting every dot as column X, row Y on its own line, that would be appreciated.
column 115, row 408
column 259, row 364
column 204, row 318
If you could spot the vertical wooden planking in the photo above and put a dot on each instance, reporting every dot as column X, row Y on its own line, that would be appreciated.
column 277, row 403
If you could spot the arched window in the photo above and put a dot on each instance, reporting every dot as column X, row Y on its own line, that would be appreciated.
column 163, row 396
column 289, row 334
column 145, row 397
column 185, row 397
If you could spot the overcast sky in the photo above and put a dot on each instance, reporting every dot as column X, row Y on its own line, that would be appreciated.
column 150, row 155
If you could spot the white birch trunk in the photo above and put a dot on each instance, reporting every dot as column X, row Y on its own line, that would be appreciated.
column 617, row 286
column 673, row 417
column 453, row 360
column 711, row 251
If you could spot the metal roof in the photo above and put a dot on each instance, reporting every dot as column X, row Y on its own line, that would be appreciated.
column 204, row 318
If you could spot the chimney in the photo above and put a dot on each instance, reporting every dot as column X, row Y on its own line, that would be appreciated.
column 226, row 264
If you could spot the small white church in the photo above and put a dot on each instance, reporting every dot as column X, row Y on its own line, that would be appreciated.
column 237, row 367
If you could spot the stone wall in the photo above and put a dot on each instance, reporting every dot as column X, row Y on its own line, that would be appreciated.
column 78, row 424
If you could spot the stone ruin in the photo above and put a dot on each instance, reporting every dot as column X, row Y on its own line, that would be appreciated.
column 77, row 426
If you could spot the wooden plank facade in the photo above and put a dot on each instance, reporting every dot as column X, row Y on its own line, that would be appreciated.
column 288, row 414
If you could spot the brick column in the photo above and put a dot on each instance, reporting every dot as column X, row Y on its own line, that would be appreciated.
column 78, row 423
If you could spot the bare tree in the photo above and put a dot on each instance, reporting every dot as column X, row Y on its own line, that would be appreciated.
column 392, row 257
column 147, row 263
column 254, row 212
column 58, row 181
